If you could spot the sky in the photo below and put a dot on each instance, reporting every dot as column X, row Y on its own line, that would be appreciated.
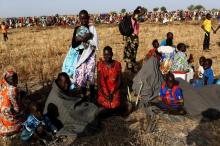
column 14, row 8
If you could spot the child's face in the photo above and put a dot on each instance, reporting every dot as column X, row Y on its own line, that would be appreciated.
column 201, row 62
column 170, row 82
column 156, row 45
column 37, row 114
column 206, row 65
column 209, row 17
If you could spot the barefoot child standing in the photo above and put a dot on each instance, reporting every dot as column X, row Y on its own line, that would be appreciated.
column 207, row 27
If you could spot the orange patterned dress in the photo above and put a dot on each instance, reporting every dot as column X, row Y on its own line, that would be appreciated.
column 9, row 124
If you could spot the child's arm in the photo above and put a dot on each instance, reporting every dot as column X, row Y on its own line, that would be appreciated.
column 206, row 80
column 217, row 28
column 179, row 96
column 213, row 30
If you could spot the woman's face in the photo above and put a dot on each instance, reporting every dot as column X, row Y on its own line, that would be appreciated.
column 107, row 55
column 64, row 83
column 84, row 19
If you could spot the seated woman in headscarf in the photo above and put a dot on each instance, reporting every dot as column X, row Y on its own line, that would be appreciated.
column 9, row 108
column 109, row 81
column 180, row 62
column 68, row 113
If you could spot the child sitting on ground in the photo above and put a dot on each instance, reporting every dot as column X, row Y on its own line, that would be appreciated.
column 191, row 73
column 171, row 97
column 201, row 69
column 208, row 76
column 36, row 124
column 154, row 51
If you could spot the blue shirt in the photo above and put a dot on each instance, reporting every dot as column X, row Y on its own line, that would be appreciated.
column 163, row 43
column 32, row 123
column 210, row 75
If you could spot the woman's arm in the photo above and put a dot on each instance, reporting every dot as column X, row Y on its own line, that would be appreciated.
column 100, row 86
column 118, row 85
column 12, row 96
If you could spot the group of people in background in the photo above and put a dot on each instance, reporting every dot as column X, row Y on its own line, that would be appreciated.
column 109, row 18
column 70, row 110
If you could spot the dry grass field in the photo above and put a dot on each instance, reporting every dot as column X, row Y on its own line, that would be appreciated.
column 37, row 54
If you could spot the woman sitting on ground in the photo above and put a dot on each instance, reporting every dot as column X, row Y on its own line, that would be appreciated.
column 109, row 81
column 68, row 113
column 9, row 124
column 180, row 62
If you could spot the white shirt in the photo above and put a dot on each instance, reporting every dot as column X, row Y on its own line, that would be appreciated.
column 200, row 71
column 94, row 41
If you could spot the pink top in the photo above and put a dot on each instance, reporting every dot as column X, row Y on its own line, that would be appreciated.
column 135, row 25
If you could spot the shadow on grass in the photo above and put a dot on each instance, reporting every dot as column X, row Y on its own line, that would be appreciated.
column 206, row 133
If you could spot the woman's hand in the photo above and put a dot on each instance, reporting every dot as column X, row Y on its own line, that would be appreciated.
column 110, row 97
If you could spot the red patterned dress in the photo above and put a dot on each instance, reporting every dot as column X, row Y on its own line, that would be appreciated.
column 109, row 78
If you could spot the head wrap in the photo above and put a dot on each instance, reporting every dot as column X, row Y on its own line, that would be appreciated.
column 9, row 74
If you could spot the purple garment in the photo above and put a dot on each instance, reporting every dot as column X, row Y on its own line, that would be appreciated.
column 86, row 71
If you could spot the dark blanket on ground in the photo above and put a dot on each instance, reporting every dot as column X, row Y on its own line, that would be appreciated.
column 73, row 114
column 151, row 79
column 198, row 100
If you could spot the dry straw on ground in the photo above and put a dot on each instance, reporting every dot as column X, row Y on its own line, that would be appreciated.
column 37, row 54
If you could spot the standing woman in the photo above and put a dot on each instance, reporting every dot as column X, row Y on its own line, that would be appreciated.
column 132, row 42
column 9, row 124
column 80, row 62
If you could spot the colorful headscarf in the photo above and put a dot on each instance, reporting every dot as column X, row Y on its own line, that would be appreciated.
column 9, row 74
